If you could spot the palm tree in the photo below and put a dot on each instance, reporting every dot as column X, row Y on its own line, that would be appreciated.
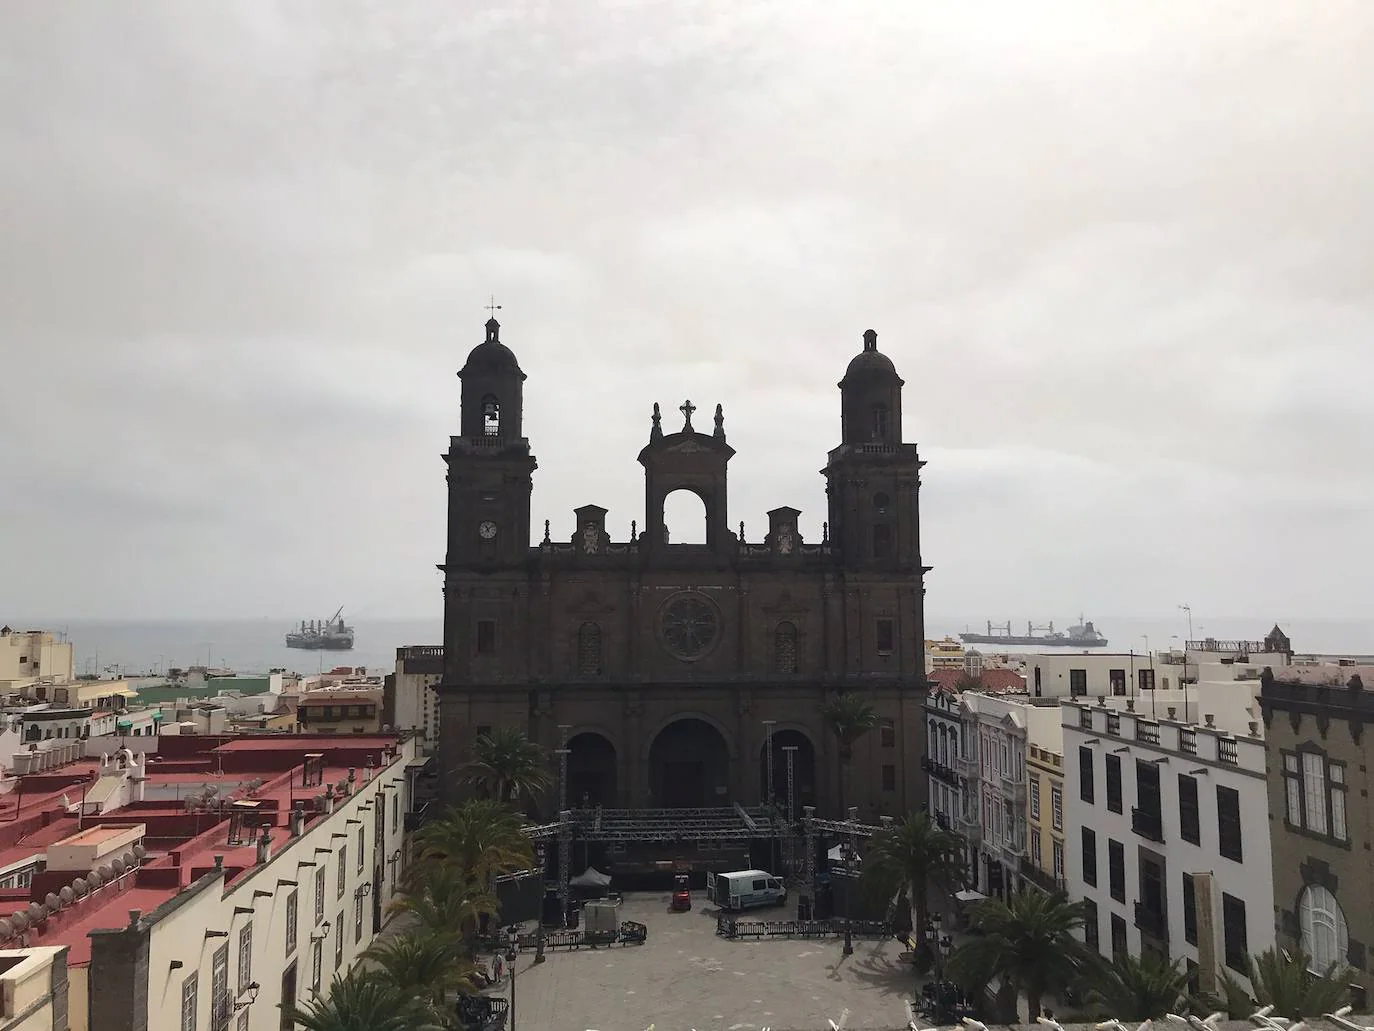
column 1147, row 987
column 357, row 1003
column 1027, row 941
column 1284, row 980
column 904, row 861
column 423, row 965
column 507, row 765
column 849, row 718
column 481, row 838
column 446, row 903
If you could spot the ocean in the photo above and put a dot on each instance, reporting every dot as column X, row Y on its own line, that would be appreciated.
column 250, row 646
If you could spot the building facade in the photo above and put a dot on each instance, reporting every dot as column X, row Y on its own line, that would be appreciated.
column 993, row 760
column 411, row 701
column 1319, row 818
column 1045, row 843
column 666, row 667
column 1165, row 837
column 945, row 789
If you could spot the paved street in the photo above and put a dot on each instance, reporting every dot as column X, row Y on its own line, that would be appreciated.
column 686, row 978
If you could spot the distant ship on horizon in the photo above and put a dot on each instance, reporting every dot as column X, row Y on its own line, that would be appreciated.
column 1082, row 635
column 330, row 634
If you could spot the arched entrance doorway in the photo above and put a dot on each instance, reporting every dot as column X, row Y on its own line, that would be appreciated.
column 803, row 770
column 689, row 766
column 591, row 771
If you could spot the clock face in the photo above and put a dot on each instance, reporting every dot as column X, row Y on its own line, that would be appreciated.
column 487, row 529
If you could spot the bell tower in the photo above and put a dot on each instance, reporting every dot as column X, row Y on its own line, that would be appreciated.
column 490, row 468
column 873, row 477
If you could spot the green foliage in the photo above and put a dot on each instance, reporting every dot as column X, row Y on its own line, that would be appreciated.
column 365, row 1003
column 446, row 903
column 481, row 837
column 506, row 766
column 427, row 965
column 1281, row 979
column 849, row 717
column 905, row 861
column 1027, row 942
column 1138, row 988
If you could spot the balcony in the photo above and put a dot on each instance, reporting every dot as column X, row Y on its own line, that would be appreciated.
column 967, row 767
column 940, row 772
column 1014, row 788
column 1148, row 825
column 1042, row 879
column 970, row 829
column 1151, row 922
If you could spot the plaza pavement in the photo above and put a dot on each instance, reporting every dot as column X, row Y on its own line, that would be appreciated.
column 684, row 978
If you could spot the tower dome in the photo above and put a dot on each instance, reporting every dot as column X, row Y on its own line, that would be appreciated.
column 871, row 396
column 493, row 389
column 491, row 357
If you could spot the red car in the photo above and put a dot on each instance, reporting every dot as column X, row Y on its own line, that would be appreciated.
column 682, row 895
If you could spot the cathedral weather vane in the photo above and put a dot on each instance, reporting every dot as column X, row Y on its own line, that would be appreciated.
column 493, row 307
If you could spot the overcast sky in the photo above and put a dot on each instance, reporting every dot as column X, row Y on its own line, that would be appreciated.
column 1121, row 254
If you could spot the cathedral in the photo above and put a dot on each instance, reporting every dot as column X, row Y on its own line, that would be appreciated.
column 661, row 674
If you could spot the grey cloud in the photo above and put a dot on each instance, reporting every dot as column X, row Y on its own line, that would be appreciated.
column 1121, row 258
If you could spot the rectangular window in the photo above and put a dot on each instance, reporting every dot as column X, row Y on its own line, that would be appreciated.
column 1314, row 791
column 1117, row 679
column 1189, row 816
column 220, row 1008
column 319, row 893
column 889, row 778
column 486, row 637
column 1091, row 929
column 343, row 871
column 882, row 540
column 1035, row 846
column 338, row 940
column 291, row 923
column 1146, row 679
column 1078, row 683
column 1113, row 783
column 1057, row 859
column 1035, row 797
column 1118, row 936
column 316, row 967
column 1116, row 869
column 1085, row 773
column 886, row 637
column 362, row 848
column 1233, row 931
column 1189, row 910
column 1228, row 824
column 245, row 956
column 887, row 735
column 189, row 1002
column 357, row 919
column 1090, row 856
column 1335, row 773
column 1057, row 807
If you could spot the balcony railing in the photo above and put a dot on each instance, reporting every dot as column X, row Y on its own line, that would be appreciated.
column 1187, row 741
column 940, row 771
column 1114, row 723
column 1152, row 922
column 1042, row 879
column 1015, row 788
column 1147, row 825
column 967, row 767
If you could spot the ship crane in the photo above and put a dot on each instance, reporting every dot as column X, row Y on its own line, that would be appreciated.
column 334, row 619
column 1031, row 628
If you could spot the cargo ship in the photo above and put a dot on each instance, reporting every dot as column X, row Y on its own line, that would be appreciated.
column 1083, row 635
column 330, row 634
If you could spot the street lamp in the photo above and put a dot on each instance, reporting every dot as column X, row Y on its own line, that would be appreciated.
column 941, row 945
column 512, row 951
column 849, row 881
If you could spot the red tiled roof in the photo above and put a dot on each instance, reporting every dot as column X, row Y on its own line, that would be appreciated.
column 994, row 680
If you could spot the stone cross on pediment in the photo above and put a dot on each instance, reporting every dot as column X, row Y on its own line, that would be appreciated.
column 687, row 408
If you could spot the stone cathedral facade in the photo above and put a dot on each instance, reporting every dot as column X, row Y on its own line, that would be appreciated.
column 666, row 669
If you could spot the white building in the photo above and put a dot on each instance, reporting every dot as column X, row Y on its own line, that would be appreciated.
column 945, row 788
column 411, row 702
column 1167, row 826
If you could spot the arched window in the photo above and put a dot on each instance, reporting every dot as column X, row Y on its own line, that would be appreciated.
column 880, row 422
column 589, row 649
column 1324, row 935
column 944, row 746
column 785, row 648
column 491, row 416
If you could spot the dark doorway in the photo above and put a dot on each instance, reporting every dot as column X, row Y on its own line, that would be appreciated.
column 591, row 771
column 803, row 770
column 288, row 997
column 377, row 899
column 689, row 766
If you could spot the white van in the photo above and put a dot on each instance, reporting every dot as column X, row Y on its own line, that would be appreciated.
column 745, row 889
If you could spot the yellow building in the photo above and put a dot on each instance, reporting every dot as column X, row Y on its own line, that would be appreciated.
column 1044, row 864
column 330, row 711
column 27, row 655
column 946, row 654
